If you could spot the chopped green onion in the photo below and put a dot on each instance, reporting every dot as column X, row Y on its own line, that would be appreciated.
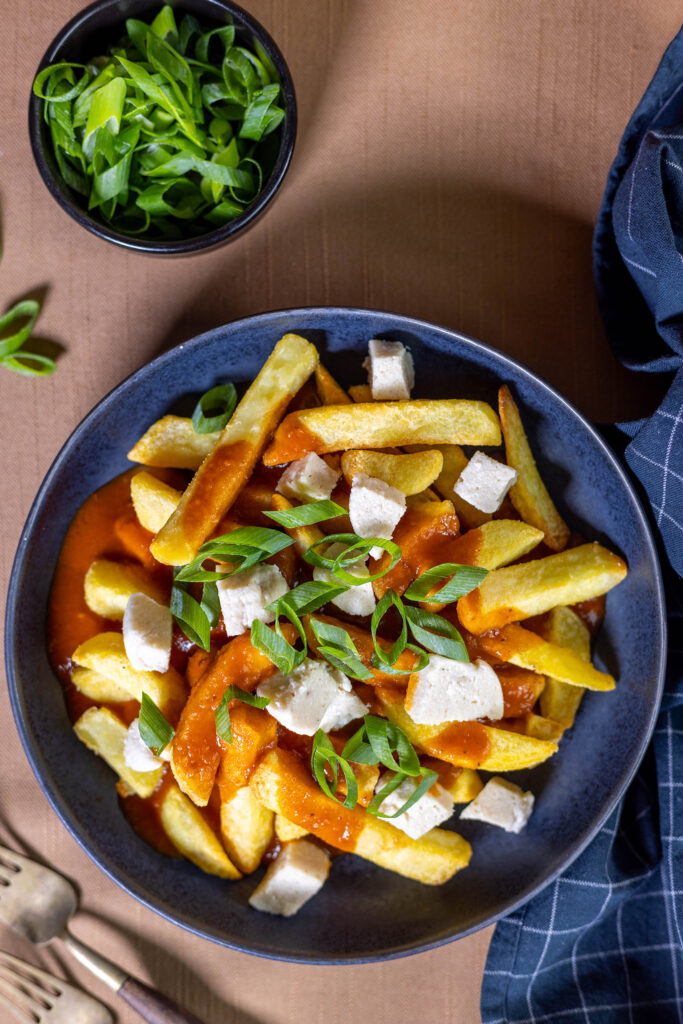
column 436, row 634
column 379, row 741
column 355, row 549
column 223, row 729
column 337, row 647
column 246, row 546
column 214, row 408
column 429, row 777
column 307, row 515
column 273, row 644
column 155, row 729
column 15, row 328
column 297, row 602
column 323, row 755
column 194, row 619
column 389, row 657
column 172, row 102
column 461, row 580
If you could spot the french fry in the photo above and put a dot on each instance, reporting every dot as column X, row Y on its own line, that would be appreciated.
column 463, row 784
column 329, row 392
column 219, row 479
column 105, row 734
column 520, row 591
column 189, row 832
column 253, row 733
column 454, row 461
column 105, row 653
column 283, row 784
column 108, row 586
column 472, row 744
column 381, row 425
column 494, row 544
column 428, row 528
column 153, row 500
column 197, row 750
column 560, row 701
column 98, row 687
column 542, row 728
column 529, row 494
column 360, row 393
column 409, row 473
column 172, row 443
column 303, row 536
column 286, row 831
column 521, row 647
column 246, row 829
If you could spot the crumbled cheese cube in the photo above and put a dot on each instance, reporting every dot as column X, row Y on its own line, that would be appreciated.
column 357, row 600
column 136, row 753
column 485, row 482
column 390, row 370
column 454, row 691
column 375, row 508
column 434, row 807
column 297, row 873
column 308, row 479
column 245, row 595
column 314, row 696
column 501, row 803
column 147, row 632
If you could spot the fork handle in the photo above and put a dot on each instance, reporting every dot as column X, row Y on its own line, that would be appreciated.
column 152, row 1006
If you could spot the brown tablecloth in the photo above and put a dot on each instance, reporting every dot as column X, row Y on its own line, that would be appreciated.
column 450, row 164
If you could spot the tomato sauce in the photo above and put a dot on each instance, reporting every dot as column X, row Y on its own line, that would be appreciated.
column 462, row 743
column 302, row 802
column 292, row 441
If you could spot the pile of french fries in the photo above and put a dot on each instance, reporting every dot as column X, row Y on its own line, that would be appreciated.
column 520, row 619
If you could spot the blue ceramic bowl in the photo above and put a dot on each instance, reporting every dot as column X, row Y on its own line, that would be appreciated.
column 363, row 913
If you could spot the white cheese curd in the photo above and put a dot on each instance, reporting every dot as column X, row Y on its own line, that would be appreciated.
column 358, row 600
column 484, row 482
column 136, row 753
column 454, row 691
column 297, row 873
column 375, row 508
column 501, row 803
column 244, row 596
column 433, row 808
column 147, row 632
column 391, row 374
column 314, row 696
column 308, row 479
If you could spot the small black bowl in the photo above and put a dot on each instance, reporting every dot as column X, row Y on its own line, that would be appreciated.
column 90, row 33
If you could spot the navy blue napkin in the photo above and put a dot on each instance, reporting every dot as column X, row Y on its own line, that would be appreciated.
column 603, row 943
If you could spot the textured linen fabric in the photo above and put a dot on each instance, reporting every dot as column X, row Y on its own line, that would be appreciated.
column 603, row 943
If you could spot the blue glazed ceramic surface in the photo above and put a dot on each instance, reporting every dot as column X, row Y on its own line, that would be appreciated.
column 363, row 913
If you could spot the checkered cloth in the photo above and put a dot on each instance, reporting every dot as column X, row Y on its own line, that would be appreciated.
column 603, row 943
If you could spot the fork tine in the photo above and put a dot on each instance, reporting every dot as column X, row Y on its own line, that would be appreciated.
column 36, row 993
column 47, row 983
column 8, row 1001
column 15, row 860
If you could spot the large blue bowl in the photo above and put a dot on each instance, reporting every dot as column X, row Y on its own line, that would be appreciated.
column 363, row 912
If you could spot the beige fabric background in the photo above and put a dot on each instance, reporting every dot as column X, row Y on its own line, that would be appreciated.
column 450, row 164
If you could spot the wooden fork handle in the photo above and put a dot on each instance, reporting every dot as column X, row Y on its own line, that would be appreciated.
column 154, row 1007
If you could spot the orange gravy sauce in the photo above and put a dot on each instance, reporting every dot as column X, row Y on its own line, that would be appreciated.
column 214, row 480
column 303, row 803
column 462, row 743
column 292, row 441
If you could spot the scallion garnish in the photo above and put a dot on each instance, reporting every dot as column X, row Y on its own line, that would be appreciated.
column 155, row 729
column 337, row 647
column 461, row 580
column 195, row 618
column 355, row 549
column 323, row 755
column 246, row 546
column 214, row 409
column 436, row 634
column 16, row 327
column 307, row 515
column 379, row 741
column 171, row 134
column 429, row 777
column 223, row 728
column 297, row 602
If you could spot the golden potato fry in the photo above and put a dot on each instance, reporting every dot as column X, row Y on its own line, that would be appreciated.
column 410, row 473
column 189, row 832
column 560, row 701
column 153, row 500
column 106, row 654
column 529, row 494
column 521, row 647
column 105, row 734
column 98, row 687
column 454, row 461
column 246, row 829
column 303, row 536
column 171, row 443
column 471, row 744
column 423, row 498
column 542, row 728
column 108, row 586
column 520, row 591
column 329, row 392
column 286, row 830
column 219, row 479
column 381, row 425
column 463, row 784
column 360, row 393
column 283, row 784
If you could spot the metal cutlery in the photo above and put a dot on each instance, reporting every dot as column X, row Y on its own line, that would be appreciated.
column 32, row 996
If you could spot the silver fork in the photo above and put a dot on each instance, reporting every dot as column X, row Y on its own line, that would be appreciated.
column 38, row 903
column 32, row 996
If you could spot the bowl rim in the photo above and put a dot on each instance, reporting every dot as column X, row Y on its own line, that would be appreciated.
column 175, row 247
column 52, row 792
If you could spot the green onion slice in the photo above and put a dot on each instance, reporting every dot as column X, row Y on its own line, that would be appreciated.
column 155, row 729
column 246, row 546
column 337, row 647
column 436, row 634
column 214, row 408
column 223, row 729
column 307, row 515
column 379, row 741
column 461, row 580
column 16, row 327
column 355, row 549
column 324, row 756
column 429, row 777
